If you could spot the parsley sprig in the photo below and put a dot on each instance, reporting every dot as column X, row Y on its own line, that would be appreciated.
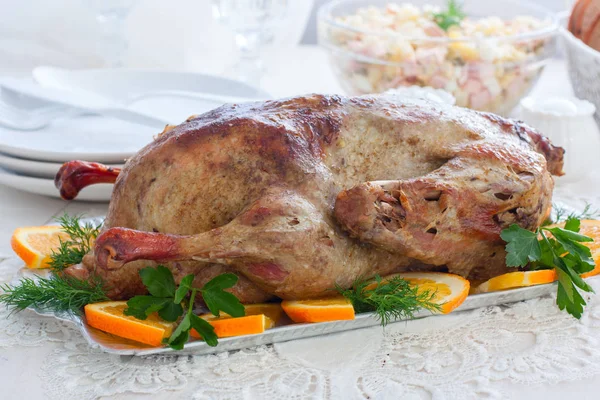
column 558, row 248
column 451, row 16
column 391, row 299
column 169, row 301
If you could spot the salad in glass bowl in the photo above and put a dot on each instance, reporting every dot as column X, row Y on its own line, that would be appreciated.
column 487, row 55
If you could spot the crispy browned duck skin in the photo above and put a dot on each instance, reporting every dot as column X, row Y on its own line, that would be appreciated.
column 209, row 184
column 75, row 175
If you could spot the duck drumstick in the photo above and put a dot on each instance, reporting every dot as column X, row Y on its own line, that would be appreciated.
column 76, row 175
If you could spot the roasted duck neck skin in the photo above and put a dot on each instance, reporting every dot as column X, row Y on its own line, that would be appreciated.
column 300, row 194
column 73, row 176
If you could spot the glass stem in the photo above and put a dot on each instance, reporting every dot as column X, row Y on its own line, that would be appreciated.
column 249, row 68
column 113, row 35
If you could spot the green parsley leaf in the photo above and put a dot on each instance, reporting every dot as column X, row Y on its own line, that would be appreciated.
column 205, row 330
column 170, row 311
column 167, row 299
column 563, row 252
column 159, row 281
column 223, row 281
column 575, row 249
column 217, row 299
column 141, row 307
column 522, row 246
column 568, row 297
column 181, row 334
column 572, row 224
column 184, row 287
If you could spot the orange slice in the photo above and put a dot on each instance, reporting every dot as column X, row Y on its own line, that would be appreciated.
column 226, row 326
column 320, row 310
column 35, row 244
column 272, row 310
column 516, row 279
column 450, row 290
column 108, row 317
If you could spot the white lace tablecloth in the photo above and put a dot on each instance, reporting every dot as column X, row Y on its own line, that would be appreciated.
column 468, row 355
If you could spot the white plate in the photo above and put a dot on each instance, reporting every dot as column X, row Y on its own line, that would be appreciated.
column 109, row 140
column 120, row 84
column 37, row 169
column 100, row 192
column 87, row 138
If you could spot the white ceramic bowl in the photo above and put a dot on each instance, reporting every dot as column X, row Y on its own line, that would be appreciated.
column 495, row 86
column 584, row 69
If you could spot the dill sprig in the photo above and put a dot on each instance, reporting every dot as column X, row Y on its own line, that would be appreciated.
column 60, row 292
column 391, row 299
column 562, row 214
column 56, row 293
column 81, row 239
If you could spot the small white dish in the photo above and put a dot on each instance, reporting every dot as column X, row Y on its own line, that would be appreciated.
column 569, row 123
column 36, row 169
column 100, row 192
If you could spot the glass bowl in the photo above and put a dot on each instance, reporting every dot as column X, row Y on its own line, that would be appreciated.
column 482, row 71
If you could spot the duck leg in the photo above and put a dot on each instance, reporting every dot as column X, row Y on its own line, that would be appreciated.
column 281, row 242
column 76, row 175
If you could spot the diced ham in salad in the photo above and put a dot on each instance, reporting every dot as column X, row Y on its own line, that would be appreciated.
column 479, row 61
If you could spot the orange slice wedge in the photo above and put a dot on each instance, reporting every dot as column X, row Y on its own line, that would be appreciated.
column 226, row 326
column 108, row 317
column 516, row 279
column 272, row 310
column 450, row 290
column 319, row 310
column 35, row 244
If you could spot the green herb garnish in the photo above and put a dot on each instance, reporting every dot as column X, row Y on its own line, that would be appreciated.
column 60, row 292
column 56, row 293
column 169, row 301
column 390, row 299
column 562, row 251
column 72, row 250
column 452, row 16
column 562, row 214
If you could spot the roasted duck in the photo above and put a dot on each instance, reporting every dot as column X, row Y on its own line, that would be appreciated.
column 298, row 195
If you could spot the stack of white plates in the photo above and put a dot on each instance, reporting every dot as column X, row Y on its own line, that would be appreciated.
column 29, row 160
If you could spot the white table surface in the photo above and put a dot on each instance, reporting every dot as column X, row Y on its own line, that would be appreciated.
column 297, row 71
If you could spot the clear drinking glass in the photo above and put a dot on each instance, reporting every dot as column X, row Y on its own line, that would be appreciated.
column 111, row 15
column 252, row 22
